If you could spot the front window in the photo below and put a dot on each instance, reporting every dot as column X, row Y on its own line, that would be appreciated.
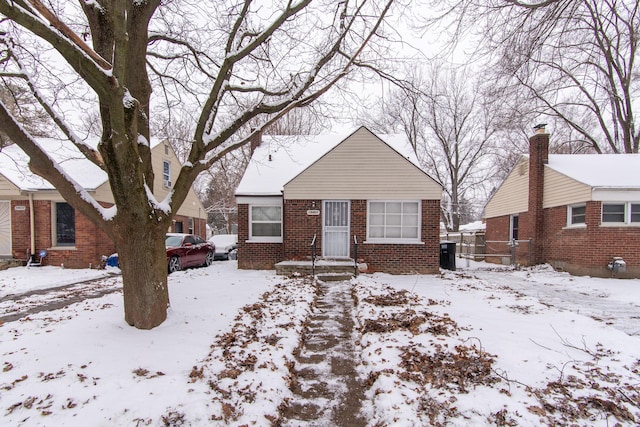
column 65, row 225
column 395, row 220
column 266, row 223
column 577, row 215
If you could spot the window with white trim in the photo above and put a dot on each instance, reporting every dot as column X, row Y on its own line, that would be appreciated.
column 265, row 223
column 65, row 225
column 514, row 226
column 576, row 215
column 635, row 212
column 621, row 213
column 393, row 220
column 166, row 170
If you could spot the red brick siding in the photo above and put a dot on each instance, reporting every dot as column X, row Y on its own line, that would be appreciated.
column 400, row 258
column 497, row 238
column 299, row 229
column 587, row 251
column 538, row 157
column 91, row 242
column 254, row 256
column 581, row 250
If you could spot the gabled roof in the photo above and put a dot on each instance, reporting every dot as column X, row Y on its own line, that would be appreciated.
column 599, row 170
column 280, row 159
column 14, row 165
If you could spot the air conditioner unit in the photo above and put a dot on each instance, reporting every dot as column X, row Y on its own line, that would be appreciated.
column 166, row 183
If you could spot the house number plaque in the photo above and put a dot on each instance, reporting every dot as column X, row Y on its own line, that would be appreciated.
column 313, row 212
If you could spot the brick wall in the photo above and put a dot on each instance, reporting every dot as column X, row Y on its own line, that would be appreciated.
column 299, row 229
column 588, row 250
column 400, row 258
column 497, row 238
column 254, row 256
column 578, row 250
column 91, row 243
column 538, row 157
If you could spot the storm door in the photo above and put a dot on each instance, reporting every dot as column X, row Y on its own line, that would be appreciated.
column 335, row 239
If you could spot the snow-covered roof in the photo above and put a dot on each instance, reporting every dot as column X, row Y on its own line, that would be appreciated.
column 599, row 170
column 281, row 158
column 14, row 165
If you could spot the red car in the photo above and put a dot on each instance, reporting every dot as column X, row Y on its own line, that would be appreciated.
column 188, row 250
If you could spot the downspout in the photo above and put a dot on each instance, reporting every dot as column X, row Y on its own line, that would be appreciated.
column 32, row 227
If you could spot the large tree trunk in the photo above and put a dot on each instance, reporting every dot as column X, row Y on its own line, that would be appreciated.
column 143, row 261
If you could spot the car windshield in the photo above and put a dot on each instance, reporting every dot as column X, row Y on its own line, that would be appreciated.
column 173, row 241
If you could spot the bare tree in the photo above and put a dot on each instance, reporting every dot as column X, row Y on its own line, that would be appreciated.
column 267, row 57
column 575, row 59
column 18, row 100
column 451, row 126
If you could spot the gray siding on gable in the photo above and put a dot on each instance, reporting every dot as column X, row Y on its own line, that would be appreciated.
column 363, row 167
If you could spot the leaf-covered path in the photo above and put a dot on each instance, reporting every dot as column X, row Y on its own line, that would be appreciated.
column 325, row 384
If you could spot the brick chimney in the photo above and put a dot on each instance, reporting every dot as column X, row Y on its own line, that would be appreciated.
column 255, row 141
column 538, row 157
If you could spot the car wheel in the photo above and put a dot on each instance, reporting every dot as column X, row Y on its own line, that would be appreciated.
column 209, row 259
column 174, row 264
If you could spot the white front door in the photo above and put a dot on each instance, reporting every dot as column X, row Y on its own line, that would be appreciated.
column 335, row 239
column 5, row 228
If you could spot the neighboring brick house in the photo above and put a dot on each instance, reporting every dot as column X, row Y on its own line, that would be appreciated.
column 34, row 215
column 363, row 186
column 574, row 211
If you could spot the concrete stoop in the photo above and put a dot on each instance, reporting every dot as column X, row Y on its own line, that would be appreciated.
column 342, row 269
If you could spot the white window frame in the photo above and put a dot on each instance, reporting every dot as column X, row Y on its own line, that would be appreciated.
column 265, row 239
column 513, row 218
column 166, row 176
column 627, row 215
column 570, row 223
column 395, row 240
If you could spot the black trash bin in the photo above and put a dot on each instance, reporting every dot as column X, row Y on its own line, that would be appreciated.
column 448, row 255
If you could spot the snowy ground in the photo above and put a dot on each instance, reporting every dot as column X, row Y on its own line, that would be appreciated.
column 475, row 347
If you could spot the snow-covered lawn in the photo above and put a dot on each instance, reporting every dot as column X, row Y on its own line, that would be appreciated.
column 473, row 347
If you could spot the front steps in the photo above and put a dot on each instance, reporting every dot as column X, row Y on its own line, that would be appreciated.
column 325, row 269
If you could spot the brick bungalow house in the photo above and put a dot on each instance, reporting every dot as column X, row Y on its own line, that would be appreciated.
column 34, row 215
column 363, row 187
column 574, row 211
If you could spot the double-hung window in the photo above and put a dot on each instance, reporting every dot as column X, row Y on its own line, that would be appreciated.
column 265, row 223
column 391, row 221
column 621, row 213
column 576, row 215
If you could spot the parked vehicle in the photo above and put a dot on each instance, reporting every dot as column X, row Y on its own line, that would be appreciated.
column 188, row 250
column 183, row 251
column 226, row 245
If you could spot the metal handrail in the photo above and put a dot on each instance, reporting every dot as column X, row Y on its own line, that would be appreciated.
column 313, row 255
column 355, row 254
